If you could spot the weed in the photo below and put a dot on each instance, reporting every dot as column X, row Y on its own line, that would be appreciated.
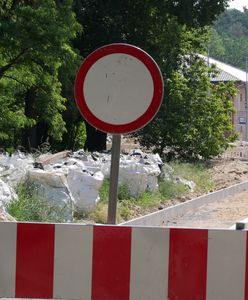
column 196, row 172
column 104, row 191
column 148, row 199
column 124, row 192
column 99, row 215
column 170, row 189
column 30, row 207
column 125, row 209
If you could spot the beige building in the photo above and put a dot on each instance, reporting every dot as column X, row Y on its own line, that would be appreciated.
column 230, row 73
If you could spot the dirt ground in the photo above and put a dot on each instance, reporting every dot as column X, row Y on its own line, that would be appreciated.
column 230, row 169
column 225, row 172
column 221, row 214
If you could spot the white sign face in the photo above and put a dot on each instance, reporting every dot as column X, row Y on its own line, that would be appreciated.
column 118, row 88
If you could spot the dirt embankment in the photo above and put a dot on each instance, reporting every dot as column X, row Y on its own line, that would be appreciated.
column 230, row 169
column 227, row 172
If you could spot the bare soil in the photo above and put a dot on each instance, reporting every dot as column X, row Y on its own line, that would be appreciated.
column 224, row 171
column 227, row 172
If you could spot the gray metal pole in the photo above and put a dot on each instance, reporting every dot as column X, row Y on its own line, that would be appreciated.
column 114, row 174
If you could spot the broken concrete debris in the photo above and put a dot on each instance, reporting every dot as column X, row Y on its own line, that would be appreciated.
column 72, row 180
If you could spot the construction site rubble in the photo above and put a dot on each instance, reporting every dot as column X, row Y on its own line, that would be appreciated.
column 72, row 180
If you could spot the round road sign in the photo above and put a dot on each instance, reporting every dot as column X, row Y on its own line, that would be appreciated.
column 118, row 88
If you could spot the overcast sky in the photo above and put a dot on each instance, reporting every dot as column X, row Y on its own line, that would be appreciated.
column 238, row 4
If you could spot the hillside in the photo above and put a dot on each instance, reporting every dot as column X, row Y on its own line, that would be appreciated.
column 229, row 38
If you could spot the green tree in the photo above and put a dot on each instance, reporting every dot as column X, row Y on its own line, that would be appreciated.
column 230, row 35
column 196, row 120
column 216, row 46
column 159, row 27
column 34, row 48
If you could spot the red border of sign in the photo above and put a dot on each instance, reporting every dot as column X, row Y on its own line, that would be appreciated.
column 157, row 94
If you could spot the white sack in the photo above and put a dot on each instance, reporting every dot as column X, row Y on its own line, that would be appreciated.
column 84, row 187
column 52, row 186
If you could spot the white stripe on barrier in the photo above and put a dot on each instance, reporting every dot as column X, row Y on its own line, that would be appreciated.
column 150, row 254
column 226, row 265
column 7, row 259
column 73, row 261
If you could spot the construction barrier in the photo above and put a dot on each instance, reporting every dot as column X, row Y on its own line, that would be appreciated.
column 71, row 261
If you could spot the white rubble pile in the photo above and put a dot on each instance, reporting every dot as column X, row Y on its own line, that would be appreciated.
column 72, row 182
column 138, row 170
column 14, row 168
column 52, row 185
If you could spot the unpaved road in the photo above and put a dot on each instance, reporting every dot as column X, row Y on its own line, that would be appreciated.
column 221, row 214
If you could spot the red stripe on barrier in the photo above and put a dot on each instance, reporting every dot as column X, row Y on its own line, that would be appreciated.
column 187, row 264
column 111, row 263
column 34, row 260
column 246, row 269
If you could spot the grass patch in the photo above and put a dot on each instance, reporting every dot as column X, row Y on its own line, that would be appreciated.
column 129, row 207
column 30, row 207
column 170, row 190
column 148, row 199
column 195, row 172
column 104, row 191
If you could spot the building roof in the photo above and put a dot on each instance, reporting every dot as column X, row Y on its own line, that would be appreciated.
column 227, row 72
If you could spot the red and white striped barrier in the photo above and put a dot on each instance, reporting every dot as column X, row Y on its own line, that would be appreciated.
column 70, row 261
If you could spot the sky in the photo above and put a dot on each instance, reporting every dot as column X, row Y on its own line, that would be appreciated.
column 238, row 4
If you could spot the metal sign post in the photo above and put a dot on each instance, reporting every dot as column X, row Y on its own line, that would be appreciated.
column 114, row 175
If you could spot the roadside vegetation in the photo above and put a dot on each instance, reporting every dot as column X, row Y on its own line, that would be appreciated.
column 43, row 43
column 130, row 207
column 31, row 207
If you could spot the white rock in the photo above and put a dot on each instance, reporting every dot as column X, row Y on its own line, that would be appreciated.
column 189, row 184
column 16, row 167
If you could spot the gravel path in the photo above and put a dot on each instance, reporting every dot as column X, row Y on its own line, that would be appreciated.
column 221, row 214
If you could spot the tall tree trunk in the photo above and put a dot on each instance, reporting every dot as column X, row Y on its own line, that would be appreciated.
column 96, row 140
column 30, row 134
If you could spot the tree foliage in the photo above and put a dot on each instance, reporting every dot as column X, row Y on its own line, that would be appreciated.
column 168, row 30
column 43, row 43
column 231, row 32
column 195, row 121
column 34, row 46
